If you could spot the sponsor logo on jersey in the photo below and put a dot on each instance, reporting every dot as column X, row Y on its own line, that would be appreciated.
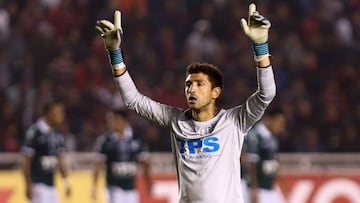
column 124, row 168
column 203, row 148
column 48, row 163
column 270, row 167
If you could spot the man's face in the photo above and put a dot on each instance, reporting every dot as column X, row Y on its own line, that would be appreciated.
column 116, row 122
column 57, row 114
column 199, row 92
column 279, row 124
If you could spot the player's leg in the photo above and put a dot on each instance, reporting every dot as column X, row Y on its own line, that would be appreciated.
column 269, row 196
column 116, row 194
column 39, row 193
column 131, row 196
column 51, row 194
column 245, row 191
column 111, row 194
column 107, row 195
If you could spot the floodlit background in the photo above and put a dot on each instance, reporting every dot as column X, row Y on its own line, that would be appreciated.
column 50, row 49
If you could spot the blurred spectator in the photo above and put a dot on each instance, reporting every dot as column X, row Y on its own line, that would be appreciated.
column 308, row 140
column 10, row 142
column 5, row 72
column 4, row 24
column 202, row 41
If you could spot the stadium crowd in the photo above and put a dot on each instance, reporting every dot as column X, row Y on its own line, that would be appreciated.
column 50, row 49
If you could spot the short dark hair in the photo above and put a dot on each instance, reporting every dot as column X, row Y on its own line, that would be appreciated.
column 50, row 104
column 214, row 73
column 120, row 112
column 274, row 111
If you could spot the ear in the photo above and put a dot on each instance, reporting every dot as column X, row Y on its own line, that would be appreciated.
column 216, row 92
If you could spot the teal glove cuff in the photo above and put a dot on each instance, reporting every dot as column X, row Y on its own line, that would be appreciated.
column 115, row 56
column 261, row 49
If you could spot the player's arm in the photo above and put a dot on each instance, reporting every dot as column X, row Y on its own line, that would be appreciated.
column 252, row 159
column 26, row 172
column 28, row 152
column 281, row 181
column 154, row 111
column 146, row 170
column 64, row 173
column 99, row 166
column 253, row 182
column 144, row 159
column 256, row 28
column 264, row 62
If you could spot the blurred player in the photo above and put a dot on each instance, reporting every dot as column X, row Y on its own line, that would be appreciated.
column 206, row 140
column 43, row 152
column 261, row 149
column 120, row 152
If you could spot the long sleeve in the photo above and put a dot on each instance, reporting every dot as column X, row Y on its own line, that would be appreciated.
column 253, row 109
column 154, row 111
column 266, row 84
column 257, row 103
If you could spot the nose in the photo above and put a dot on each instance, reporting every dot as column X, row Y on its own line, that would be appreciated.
column 191, row 88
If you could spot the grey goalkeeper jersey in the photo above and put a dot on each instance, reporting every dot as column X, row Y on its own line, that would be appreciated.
column 206, row 153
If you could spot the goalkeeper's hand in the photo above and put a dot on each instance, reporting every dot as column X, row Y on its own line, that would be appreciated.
column 111, row 33
column 256, row 27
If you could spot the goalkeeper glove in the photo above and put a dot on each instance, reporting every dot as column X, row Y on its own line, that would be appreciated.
column 111, row 34
column 256, row 28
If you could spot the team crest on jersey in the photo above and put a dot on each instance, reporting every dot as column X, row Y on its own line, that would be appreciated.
column 202, row 148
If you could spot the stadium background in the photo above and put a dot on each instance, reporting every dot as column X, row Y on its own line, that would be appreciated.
column 49, row 49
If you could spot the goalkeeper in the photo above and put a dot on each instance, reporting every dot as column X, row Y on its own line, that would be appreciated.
column 206, row 139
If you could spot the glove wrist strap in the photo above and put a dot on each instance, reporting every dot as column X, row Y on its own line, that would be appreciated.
column 261, row 49
column 115, row 57
column 117, row 62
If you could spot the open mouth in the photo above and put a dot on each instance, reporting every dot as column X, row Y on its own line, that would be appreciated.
column 192, row 99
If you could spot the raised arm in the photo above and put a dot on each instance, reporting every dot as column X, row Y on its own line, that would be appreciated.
column 154, row 111
column 256, row 28
column 111, row 34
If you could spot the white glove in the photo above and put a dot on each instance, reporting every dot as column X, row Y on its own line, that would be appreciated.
column 256, row 27
column 111, row 33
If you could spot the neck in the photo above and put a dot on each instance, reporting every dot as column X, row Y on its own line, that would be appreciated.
column 268, row 125
column 48, row 121
column 120, row 133
column 204, row 115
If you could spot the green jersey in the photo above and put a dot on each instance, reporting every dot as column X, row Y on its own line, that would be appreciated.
column 121, row 157
column 262, row 148
column 43, row 144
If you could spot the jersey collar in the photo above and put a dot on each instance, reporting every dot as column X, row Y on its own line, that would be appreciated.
column 263, row 130
column 128, row 133
column 44, row 127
